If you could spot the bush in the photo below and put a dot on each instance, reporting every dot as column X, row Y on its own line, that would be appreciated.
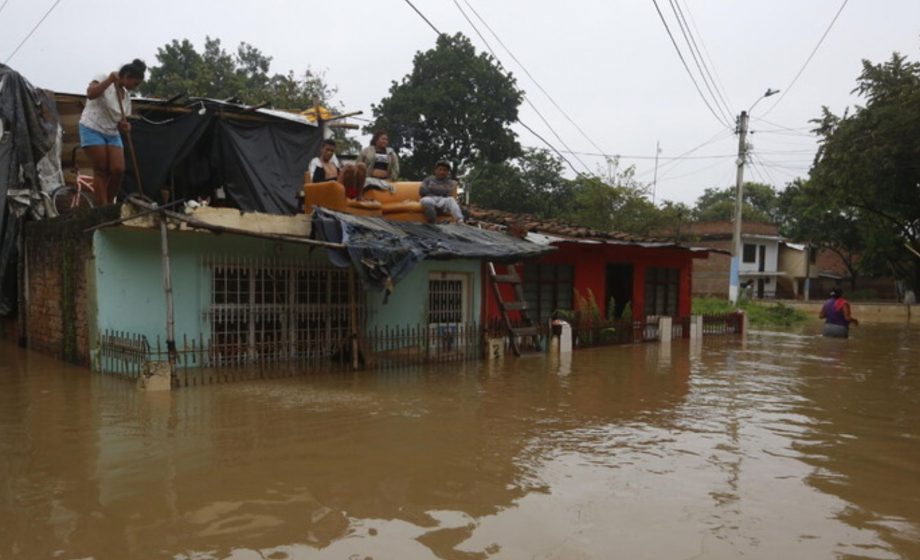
column 759, row 314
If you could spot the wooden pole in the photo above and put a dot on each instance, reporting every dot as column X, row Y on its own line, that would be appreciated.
column 167, row 289
column 353, row 310
column 137, row 171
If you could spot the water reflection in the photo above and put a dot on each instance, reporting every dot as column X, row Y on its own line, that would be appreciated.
column 786, row 444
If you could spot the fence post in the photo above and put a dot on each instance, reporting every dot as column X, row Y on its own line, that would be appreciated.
column 696, row 327
column 664, row 329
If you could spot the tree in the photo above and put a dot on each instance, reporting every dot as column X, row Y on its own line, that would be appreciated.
column 869, row 162
column 759, row 204
column 616, row 202
column 454, row 105
column 530, row 184
column 244, row 76
column 822, row 224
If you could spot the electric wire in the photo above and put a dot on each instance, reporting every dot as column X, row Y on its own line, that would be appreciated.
column 807, row 60
column 5, row 2
column 621, row 156
column 37, row 25
column 421, row 15
column 529, row 75
column 666, row 177
column 712, row 66
column 687, row 67
column 553, row 148
column 526, row 99
column 701, row 68
column 718, row 136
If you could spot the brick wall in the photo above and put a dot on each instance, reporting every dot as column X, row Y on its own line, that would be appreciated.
column 56, row 313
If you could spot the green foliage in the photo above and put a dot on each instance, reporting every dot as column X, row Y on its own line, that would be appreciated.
column 243, row 75
column 809, row 217
column 760, row 203
column 529, row 184
column 867, row 163
column 760, row 314
column 455, row 104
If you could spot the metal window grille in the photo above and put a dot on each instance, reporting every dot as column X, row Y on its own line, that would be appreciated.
column 268, row 310
column 662, row 287
column 548, row 287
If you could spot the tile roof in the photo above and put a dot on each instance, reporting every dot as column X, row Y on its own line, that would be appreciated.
column 525, row 223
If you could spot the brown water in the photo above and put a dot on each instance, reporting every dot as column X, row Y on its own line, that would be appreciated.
column 782, row 446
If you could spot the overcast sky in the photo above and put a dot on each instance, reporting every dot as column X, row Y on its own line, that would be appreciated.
column 609, row 64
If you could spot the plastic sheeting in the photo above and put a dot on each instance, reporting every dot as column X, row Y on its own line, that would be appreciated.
column 383, row 251
column 28, row 121
column 259, row 163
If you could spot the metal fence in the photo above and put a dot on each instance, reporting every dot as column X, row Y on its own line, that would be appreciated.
column 208, row 360
column 726, row 323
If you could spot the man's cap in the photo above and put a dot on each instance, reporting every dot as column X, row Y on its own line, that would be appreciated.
column 443, row 163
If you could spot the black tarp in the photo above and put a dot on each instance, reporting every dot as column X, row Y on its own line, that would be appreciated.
column 258, row 160
column 384, row 251
column 28, row 126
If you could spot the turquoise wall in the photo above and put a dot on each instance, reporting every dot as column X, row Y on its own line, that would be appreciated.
column 129, row 276
column 129, row 281
column 408, row 304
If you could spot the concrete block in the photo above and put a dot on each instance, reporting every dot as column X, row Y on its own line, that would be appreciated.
column 664, row 329
column 495, row 348
column 156, row 376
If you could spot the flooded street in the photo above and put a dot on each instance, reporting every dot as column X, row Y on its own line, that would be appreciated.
column 786, row 445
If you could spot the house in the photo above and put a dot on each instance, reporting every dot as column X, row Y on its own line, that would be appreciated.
column 824, row 269
column 265, row 291
column 759, row 262
column 650, row 277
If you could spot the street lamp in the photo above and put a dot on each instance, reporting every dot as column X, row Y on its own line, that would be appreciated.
column 734, row 279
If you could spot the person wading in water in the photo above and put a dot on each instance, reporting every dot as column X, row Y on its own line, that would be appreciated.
column 836, row 315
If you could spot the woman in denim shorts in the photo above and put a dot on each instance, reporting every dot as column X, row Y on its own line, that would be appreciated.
column 101, row 124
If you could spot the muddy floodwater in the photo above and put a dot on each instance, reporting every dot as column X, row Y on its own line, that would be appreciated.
column 784, row 445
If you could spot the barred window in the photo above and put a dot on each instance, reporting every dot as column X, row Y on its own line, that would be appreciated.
column 447, row 298
column 548, row 287
column 267, row 311
column 662, row 286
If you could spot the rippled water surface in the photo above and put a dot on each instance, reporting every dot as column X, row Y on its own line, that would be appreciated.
column 784, row 445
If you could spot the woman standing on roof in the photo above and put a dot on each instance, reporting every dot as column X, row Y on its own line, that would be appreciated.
column 379, row 162
column 103, row 118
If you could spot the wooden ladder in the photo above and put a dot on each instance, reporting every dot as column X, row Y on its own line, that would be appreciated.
column 528, row 328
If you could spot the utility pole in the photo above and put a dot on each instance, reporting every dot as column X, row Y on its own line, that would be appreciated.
column 734, row 281
column 655, row 179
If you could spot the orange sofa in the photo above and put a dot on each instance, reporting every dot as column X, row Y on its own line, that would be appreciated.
column 401, row 205
column 331, row 195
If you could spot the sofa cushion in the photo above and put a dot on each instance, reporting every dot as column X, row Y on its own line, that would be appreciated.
column 403, row 206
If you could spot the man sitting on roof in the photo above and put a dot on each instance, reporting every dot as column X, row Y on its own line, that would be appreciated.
column 326, row 166
column 437, row 194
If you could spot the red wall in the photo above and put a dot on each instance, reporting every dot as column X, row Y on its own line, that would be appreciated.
column 591, row 260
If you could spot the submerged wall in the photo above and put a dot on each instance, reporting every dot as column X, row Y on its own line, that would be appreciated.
column 129, row 281
column 59, row 293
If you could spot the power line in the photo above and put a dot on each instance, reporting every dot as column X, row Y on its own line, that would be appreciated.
column 421, row 15
column 534, row 80
column 807, row 60
column 5, row 2
column 701, row 68
column 23, row 42
column 721, row 88
column 553, row 148
column 569, row 163
column 532, row 106
column 720, row 135
column 687, row 68
column 620, row 156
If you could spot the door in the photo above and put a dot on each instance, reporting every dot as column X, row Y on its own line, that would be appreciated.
column 619, row 287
